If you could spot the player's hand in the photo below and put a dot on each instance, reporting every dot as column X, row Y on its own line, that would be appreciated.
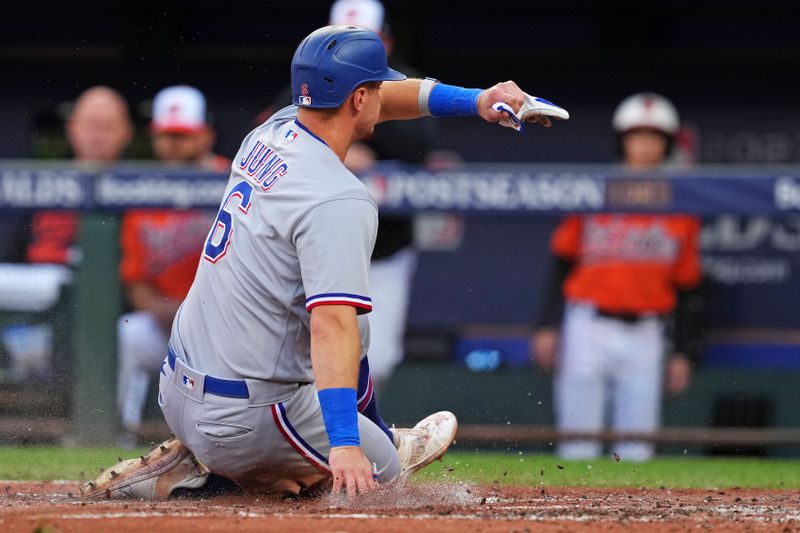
column 544, row 348
column 679, row 373
column 508, row 92
column 351, row 470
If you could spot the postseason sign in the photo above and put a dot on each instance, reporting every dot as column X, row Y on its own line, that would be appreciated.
column 532, row 190
column 510, row 190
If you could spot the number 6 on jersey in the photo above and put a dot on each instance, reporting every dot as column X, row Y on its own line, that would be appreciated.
column 221, row 232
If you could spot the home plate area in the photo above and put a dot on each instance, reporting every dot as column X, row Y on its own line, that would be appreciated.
column 55, row 506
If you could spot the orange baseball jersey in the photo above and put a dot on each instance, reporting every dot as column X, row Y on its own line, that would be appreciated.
column 53, row 237
column 629, row 263
column 162, row 247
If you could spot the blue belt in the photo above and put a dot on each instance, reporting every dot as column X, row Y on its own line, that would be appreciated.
column 232, row 388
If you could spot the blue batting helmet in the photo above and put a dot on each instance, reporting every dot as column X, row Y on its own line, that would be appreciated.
column 332, row 61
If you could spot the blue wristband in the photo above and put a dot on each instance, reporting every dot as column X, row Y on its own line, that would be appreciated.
column 452, row 101
column 340, row 414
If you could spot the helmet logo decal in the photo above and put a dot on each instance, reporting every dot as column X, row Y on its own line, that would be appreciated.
column 304, row 99
column 649, row 103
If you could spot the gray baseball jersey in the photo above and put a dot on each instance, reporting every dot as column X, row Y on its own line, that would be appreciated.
column 295, row 230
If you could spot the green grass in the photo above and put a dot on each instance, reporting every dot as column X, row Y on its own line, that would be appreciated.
column 47, row 462
column 527, row 469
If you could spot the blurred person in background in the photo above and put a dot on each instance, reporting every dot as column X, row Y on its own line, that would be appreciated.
column 98, row 129
column 182, row 131
column 20, row 354
column 394, row 259
column 625, row 291
column 160, row 252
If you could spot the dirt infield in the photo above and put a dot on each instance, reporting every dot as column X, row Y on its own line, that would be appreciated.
column 54, row 507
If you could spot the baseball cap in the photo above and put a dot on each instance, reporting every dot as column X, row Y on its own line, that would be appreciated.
column 179, row 109
column 364, row 13
column 646, row 110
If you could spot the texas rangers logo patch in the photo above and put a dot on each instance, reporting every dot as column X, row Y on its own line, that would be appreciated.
column 188, row 382
column 304, row 99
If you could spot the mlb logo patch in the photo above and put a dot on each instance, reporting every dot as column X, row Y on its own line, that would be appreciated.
column 290, row 135
column 188, row 382
column 304, row 100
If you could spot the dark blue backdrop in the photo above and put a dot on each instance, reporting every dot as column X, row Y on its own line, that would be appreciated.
column 496, row 276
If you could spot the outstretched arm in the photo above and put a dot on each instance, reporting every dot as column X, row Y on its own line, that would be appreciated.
column 335, row 351
column 399, row 100
column 402, row 100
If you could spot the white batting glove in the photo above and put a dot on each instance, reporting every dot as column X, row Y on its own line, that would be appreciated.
column 534, row 109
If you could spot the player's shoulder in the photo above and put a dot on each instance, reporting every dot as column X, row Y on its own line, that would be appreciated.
column 266, row 130
column 346, row 210
column 352, row 196
column 309, row 171
column 284, row 134
column 288, row 113
column 341, row 190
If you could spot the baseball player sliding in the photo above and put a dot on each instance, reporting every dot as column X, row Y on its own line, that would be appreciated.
column 266, row 381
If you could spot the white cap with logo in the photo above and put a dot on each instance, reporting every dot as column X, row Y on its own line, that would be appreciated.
column 646, row 110
column 179, row 109
column 364, row 13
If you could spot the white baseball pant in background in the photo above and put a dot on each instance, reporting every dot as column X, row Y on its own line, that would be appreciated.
column 608, row 366
column 141, row 348
column 390, row 288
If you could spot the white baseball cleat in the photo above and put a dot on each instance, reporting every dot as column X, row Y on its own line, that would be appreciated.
column 154, row 476
column 425, row 442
